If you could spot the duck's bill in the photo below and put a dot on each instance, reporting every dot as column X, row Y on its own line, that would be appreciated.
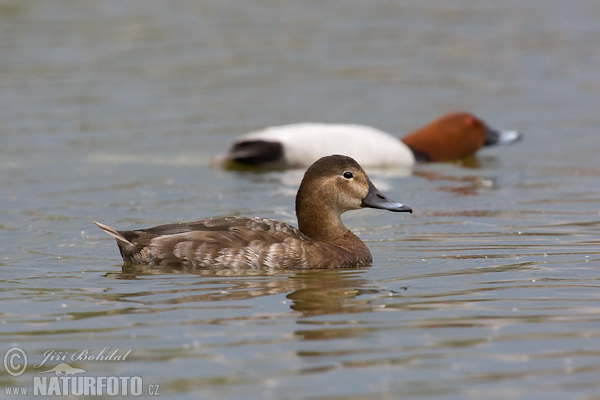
column 376, row 199
column 493, row 137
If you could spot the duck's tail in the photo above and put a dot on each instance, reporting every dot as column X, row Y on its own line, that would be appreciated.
column 114, row 233
column 253, row 152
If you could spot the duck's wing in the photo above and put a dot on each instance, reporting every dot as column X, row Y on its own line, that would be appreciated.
column 226, row 242
column 221, row 225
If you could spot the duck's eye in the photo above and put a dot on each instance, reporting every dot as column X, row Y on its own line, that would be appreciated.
column 348, row 175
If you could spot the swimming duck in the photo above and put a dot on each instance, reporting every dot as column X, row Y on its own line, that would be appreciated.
column 331, row 186
column 450, row 137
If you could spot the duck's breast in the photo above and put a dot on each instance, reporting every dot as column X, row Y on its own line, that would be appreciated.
column 305, row 143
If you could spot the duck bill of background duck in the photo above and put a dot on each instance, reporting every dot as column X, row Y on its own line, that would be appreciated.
column 494, row 137
column 376, row 199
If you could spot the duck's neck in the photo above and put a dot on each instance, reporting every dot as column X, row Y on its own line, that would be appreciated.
column 328, row 228
column 321, row 224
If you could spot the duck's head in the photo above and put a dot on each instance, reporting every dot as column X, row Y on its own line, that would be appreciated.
column 336, row 184
column 455, row 136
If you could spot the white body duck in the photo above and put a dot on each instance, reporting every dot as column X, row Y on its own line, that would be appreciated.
column 331, row 186
column 450, row 137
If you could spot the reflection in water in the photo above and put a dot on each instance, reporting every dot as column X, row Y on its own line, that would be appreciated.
column 312, row 292
column 331, row 292
column 473, row 183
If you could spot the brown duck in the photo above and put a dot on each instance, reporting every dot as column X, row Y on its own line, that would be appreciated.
column 331, row 186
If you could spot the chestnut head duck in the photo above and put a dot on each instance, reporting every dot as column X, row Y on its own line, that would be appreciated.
column 331, row 186
column 450, row 137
